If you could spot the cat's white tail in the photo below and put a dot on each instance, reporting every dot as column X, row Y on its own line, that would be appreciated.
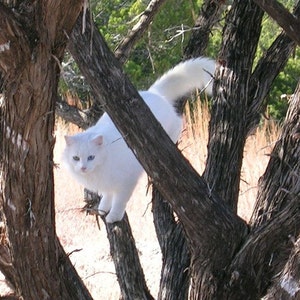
column 184, row 78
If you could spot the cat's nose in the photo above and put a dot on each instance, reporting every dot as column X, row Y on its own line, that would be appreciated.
column 83, row 169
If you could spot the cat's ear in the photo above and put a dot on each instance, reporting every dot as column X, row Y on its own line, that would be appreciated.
column 69, row 140
column 98, row 140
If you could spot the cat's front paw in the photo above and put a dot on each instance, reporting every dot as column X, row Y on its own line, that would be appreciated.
column 102, row 212
column 104, row 206
column 113, row 217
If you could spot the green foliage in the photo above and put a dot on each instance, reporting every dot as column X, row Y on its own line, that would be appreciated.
column 163, row 44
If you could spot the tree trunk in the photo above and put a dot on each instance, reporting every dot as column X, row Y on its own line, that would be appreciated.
column 227, row 130
column 122, row 245
column 128, row 268
column 175, row 275
column 270, row 249
column 196, row 206
column 30, row 64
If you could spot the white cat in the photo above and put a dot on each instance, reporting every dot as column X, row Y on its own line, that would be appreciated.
column 99, row 158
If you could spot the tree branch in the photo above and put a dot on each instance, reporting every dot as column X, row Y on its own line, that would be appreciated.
column 206, row 219
column 122, row 53
column 123, row 49
column 124, row 253
column 267, row 260
column 208, row 17
column 289, row 22
column 276, row 215
column 122, row 245
column 125, row 256
column 268, row 67
column 71, row 113
column 275, row 190
column 175, row 277
column 286, row 284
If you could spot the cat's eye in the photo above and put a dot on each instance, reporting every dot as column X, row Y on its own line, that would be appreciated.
column 91, row 157
column 76, row 158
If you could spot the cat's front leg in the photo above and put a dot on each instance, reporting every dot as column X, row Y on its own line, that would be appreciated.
column 118, row 207
column 105, row 204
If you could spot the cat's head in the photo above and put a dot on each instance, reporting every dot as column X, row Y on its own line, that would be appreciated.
column 83, row 153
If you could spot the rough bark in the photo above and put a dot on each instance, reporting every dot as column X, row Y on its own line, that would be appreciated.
column 286, row 284
column 72, row 114
column 175, row 275
column 124, row 253
column 280, row 183
column 289, row 22
column 227, row 130
column 126, row 259
column 266, row 70
column 207, row 221
column 33, row 39
column 208, row 17
column 270, row 249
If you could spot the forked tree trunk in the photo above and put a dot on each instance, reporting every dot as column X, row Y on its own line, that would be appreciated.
column 29, row 60
column 226, row 258
column 190, row 197
column 220, row 263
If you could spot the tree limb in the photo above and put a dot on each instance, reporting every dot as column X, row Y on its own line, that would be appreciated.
column 289, row 22
column 123, row 49
column 123, row 250
column 276, row 214
column 122, row 245
column 70, row 113
column 286, row 284
column 265, row 72
column 124, row 253
column 122, row 53
column 205, row 217
column 175, row 277
column 280, row 182
column 265, row 258
column 208, row 17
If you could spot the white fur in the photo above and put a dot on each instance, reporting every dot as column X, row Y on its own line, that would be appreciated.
column 99, row 158
column 184, row 78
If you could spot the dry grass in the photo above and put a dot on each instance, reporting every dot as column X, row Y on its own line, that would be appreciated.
column 256, row 154
column 88, row 247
